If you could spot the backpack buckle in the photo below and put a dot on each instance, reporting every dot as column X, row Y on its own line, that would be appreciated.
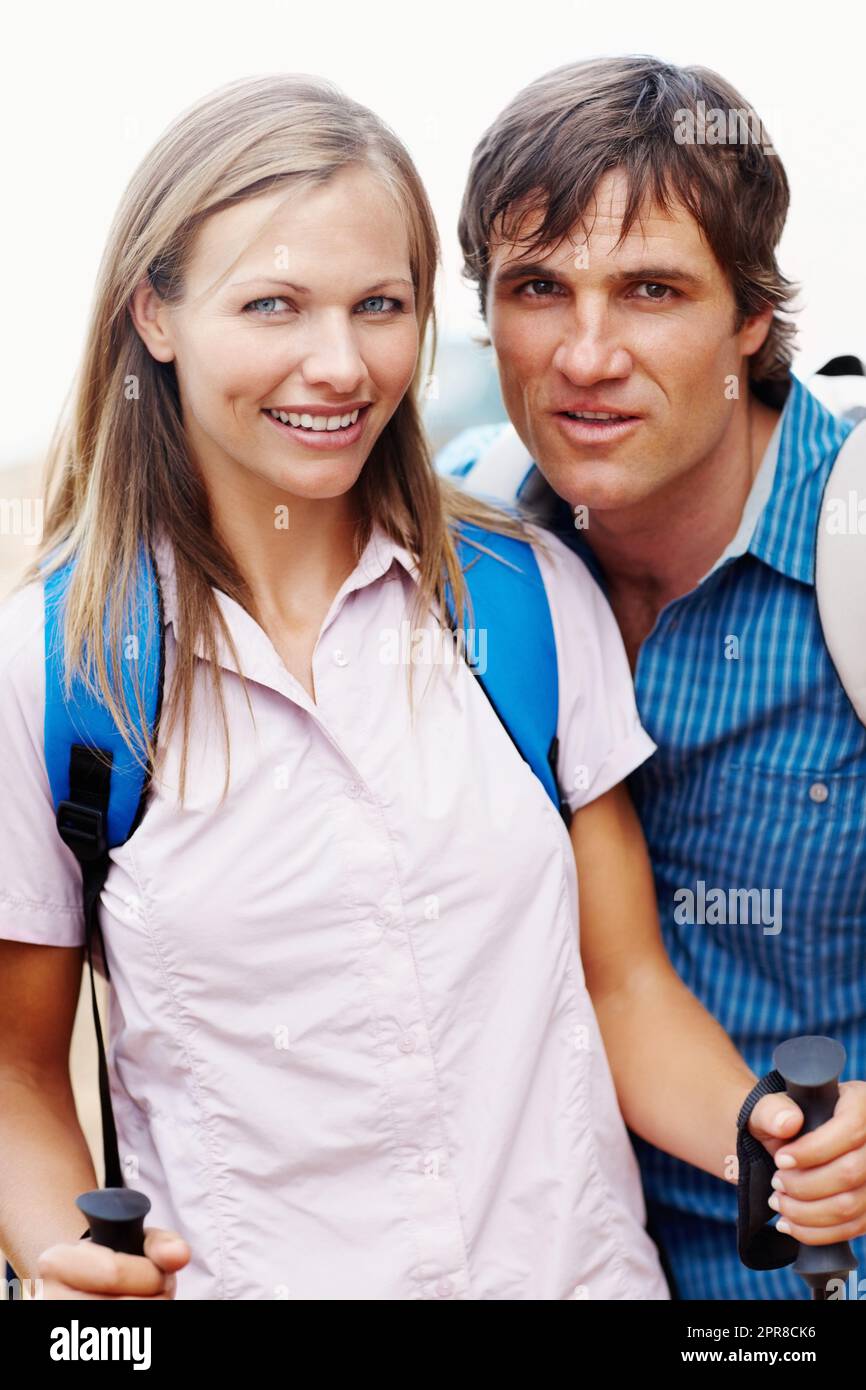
column 82, row 828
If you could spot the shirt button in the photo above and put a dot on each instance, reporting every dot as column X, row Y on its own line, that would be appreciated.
column 819, row 791
column 354, row 790
column 382, row 918
column 135, row 909
column 445, row 1288
column 340, row 658
column 407, row 1043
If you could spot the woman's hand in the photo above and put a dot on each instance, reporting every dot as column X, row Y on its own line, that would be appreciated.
column 84, row 1270
column 820, row 1179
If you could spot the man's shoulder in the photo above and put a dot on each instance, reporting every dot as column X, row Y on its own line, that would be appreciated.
column 809, row 439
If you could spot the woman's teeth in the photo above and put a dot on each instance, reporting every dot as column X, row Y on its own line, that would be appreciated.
column 315, row 422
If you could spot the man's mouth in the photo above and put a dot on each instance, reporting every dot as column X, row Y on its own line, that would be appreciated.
column 605, row 415
column 597, row 425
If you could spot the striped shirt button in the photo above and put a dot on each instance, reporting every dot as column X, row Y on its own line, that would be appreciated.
column 819, row 791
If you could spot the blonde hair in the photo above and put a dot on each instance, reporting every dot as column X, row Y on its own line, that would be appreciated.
column 117, row 474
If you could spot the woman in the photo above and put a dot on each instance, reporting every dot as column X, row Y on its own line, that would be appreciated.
column 354, row 1052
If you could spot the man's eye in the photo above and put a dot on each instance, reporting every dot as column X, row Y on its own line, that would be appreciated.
column 544, row 293
column 268, row 305
column 376, row 304
column 650, row 286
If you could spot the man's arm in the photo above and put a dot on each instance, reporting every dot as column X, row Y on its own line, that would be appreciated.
column 679, row 1078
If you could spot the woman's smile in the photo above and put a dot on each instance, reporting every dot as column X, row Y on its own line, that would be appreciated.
column 321, row 431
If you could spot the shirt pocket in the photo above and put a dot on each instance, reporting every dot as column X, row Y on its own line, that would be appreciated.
column 796, row 836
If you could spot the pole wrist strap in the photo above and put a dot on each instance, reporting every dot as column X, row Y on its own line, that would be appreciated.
column 759, row 1244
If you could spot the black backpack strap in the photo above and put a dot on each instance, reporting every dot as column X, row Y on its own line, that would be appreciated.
column 759, row 1244
column 82, row 822
column 847, row 365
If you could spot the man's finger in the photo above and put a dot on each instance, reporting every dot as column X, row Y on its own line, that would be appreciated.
column 846, row 1129
column 838, row 1210
column 843, row 1174
column 775, row 1117
column 820, row 1235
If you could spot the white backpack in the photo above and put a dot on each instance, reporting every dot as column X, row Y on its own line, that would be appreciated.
column 840, row 560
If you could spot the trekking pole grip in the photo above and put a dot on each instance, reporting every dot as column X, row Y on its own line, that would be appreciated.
column 116, row 1217
column 811, row 1067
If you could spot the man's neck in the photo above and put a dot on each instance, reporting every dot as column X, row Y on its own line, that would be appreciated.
column 654, row 553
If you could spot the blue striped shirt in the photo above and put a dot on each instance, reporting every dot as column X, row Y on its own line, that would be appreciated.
column 759, row 783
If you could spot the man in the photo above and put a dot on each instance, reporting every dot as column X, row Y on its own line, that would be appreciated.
column 620, row 222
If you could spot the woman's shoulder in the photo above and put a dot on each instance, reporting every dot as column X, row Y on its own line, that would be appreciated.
column 40, row 881
column 22, row 644
column 601, row 739
column 567, row 578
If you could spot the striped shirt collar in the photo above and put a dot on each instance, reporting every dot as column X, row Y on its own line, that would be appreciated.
column 784, row 533
column 780, row 516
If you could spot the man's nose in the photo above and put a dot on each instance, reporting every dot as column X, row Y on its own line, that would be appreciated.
column 592, row 349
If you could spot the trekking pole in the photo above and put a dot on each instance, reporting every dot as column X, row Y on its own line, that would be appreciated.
column 811, row 1067
column 116, row 1217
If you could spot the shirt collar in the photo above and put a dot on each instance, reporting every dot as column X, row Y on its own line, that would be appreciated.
column 377, row 558
column 759, row 493
column 780, row 515
column 811, row 436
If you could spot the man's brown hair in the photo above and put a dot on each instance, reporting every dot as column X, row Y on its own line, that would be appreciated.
column 678, row 134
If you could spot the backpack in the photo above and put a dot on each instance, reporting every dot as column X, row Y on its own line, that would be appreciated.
column 99, row 789
column 498, row 466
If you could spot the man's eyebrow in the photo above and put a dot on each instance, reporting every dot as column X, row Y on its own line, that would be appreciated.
column 537, row 270
column 659, row 272
column 304, row 289
column 522, row 270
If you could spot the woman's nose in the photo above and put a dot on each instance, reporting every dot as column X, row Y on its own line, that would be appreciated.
column 332, row 355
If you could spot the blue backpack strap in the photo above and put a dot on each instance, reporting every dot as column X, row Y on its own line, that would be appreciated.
column 97, row 785
column 85, row 723
column 509, row 601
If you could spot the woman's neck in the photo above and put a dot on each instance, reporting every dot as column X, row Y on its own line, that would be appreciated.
column 293, row 552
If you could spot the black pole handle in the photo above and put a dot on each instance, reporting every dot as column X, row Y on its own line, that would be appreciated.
column 811, row 1067
column 116, row 1217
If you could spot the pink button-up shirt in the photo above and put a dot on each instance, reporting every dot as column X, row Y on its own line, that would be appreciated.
column 352, row 1051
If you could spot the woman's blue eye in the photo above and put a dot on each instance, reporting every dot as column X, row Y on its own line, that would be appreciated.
column 378, row 304
column 379, row 299
column 270, row 300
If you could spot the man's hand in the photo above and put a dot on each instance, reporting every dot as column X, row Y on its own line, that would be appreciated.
column 820, row 1179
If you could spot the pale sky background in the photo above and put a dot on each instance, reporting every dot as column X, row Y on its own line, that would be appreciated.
column 86, row 89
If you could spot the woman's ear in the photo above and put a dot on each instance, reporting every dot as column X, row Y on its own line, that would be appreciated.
column 148, row 313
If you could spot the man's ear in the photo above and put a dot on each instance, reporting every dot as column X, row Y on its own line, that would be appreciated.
column 753, row 332
column 148, row 313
